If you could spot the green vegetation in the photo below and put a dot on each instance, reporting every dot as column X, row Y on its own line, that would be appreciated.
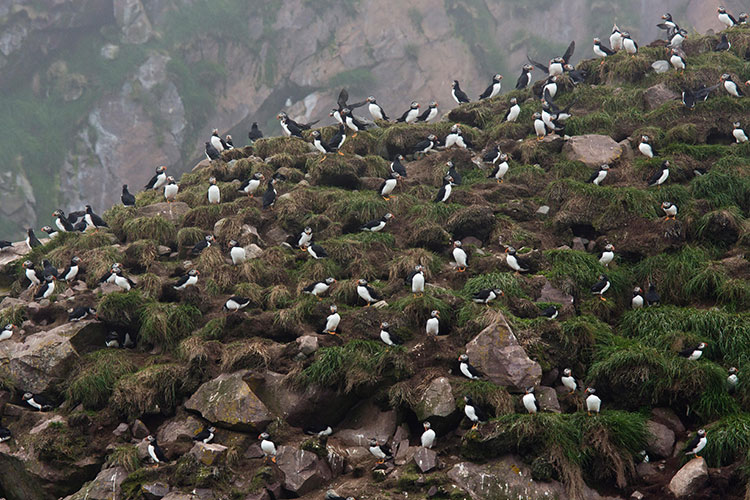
column 96, row 378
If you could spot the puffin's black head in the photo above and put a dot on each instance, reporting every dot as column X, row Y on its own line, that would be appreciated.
column 361, row 282
column 497, row 78
column 732, row 370
column 426, row 425
column 433, row 104
column 30, row 232
column 212, row 180
column 27, row 396
column 510, row 250
column 47, row 229
column 457, row 243
column 529, row 390
column 258, row 176
column 371, row 99
column 667, row 16
column 11, row 326
column 537, row 115
column 435, row 314
column 385, row 325
column 333, row 308
column 637, row 291
column 464, row 358
column 28, row 265
column 316, row 133
column 528, row 67
column 432, row 137
column 609, row 247
column 590, row 390
column 597, row 41
column 414, row 105
column 193, row 272
column 701, row 432
column 151, row 439
column 721, row 10
column 330, row 281
column 210, row 237
column 567, row 372
column 665, row 164
column 513, row 101
column 454, row 84
column 161, row 169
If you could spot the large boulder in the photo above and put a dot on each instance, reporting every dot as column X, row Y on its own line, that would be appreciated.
column 437, row 400
column 227, row 401
column 547, row 399
column 660, row 439
column 657, row 95
column 105, row 486
column 183, row 429
column 690, row 478
column 495, row 351
column 364, row 422
column 209, row 454
column 592, row 149
column 426, row 459
column 304, row 471
column 170, row 211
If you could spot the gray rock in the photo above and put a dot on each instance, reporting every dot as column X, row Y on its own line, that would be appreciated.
column 404, row 453
column 303, row 470
column 592, row 149
column 366, row 421
column 426, row 459
column 669, row 418
column 155, row 490
column 133, row 21
column 105, row 486
column 657, row 95
column 163, row 250
column 437, row 403
column 579, row 244
column 308, row 344
column 121, row 430
column 690, row 478
column 547, row 399
column 139, row 430
column 543, row 210
column 180, row 429
column 170, row 211
column 551, row 294
column 660, row 439
column 253, row 251
column 209, row 454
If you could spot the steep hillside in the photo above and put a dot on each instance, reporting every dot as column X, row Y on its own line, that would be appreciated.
column 270, row 367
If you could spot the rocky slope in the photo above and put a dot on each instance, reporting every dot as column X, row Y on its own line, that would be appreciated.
column 269, row 367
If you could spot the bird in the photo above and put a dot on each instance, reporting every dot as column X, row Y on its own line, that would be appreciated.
column 513, row 111
column 48, row 269
column 652, row 296
column 79, row 313
column 725, row 17
column 445, row 191
column 556, row 65
column 598, row 176
column 398, row 167
column 214, row 194
column 269, row 197
column 637, row 301
column 458, row 95
column 693, row 353
column 202, row 245
column 453, row 173
column 320, row 144
column 593, row 402
column 668, row 25
column 525, row 79
column 30, row 273
column 268, row 447
column 155, row 452
column 466, row 368
column 388, row 185
column 332, row 321
column 410, row 115
column 127, row 199
column 433, row 323
column 389, row 338
column 677, row 60
column 31, row 240
column 696, row 444
column 316, row 251
column 550, row 312
column 459, row 256
column 601, row 286
column 352, row 122
column 217, row 142
column 46, row 289
column 474, row 412
column 529, row 401
column 318, row 288
column 252, row 184
column 738, row 133
column 93, row 220
column 376, row 110
column 338, row 140
column 660, row 176
column 119, row 339
column 428, row 436
column 206, row 435
column 732, row 379
column 629, row 44
column 646, row 148
column 228, row 142
column 678, row 37
column 5, row 244
column 426, row 145
column 290, row 127
column 5, row 434
column 158, row 180
column 332, row 495
column 62, row 222
column 189, row 279
column 607, row 255
column 305, row 237
column 730, row 86
column 237, row 253
column 170, row 189
column 487, row 295
column 539, row 126
column 37, row 401
column 211, row 152
column 615, row 39
column 7, row 331
column 743, row 18
column 691, row 97
column 723, row 44
column 380, row 451
column 549, row 91
column 500, row 169
column 255, row 133
column 493, row 89
column 376, row 225
column 235, row 303
column 319, row 430
column 429, row 114
column 518, row 264
column 416, row 280
column 568, row 380
column 123, row 282
column 109, row 277
column 601, row 50
column 670, row 210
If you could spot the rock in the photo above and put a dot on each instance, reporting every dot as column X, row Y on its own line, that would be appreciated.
column 657, row 95
column 366, row 421
column 592, row 149
column 182, row 429
column 579, row 244
column 303, row 470
column 627, row 150
column 437, row 403
column 690, row 478
column 543, row 210
column 276, row 235
column 152, row 491
column 209, row 454
column 227, row 401
column 648, row 472
column 121, row 430
column 404, row 453
column 476, row 221
column 660, row 439
column 139, row 430
column 133, row 21
column 552, row 294
column 19, row 204
column 109, row 51
column 44, row 425
column 668, row 417
column 253, row 251
column 637, row 495
column 163, row 250
column 426, row 459
column 547, row 399
column 308, row 344
column 470, row 240
column 495, row 351
column 170, row 211
column 105, row 486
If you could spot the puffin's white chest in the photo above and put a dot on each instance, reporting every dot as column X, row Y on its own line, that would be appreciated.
column 540, row 128
column 646, row 150
column 629, row 46
column 513, row 113
column 332, row 322
column 417, row 283
column 390, row 185
column 593, row 403
column 459, row 255
column 569, row 383
column 637, row 301
column 470, row 413
column 529, row 402
column 375, row 111
column 739, row 135
column 214, row 195
column 606, row 258
column 433, row 326
column 238, row 255
column 428, row 438
column 268, row 447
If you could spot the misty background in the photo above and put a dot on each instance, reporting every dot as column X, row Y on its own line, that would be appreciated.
column 97, row 93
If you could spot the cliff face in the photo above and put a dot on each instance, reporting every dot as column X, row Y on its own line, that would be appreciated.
column 96, row 93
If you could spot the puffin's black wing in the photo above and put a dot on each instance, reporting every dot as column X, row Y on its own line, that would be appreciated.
column 386, row 449
column 306, row 126
column 655, row 177
column 127, row 199
column 421, row 146
column 703, row 92
column 199, row 247
column 43, row 401
column 254, row 133
column 490, row 155
column 343, row 97
column 380, row 189
column 440, row 194
column 606, row 50
column 423, row 116
column 410, row 277
column 269, row 197
column 734, row 21
column 371, row 224
column 201, row 435
column 487, row 92
column 593, row 177
column 569, row 52
column 294, row 129
column 462, row 97
column 105, row 277
column 182, row 280
column 98, row 221
column 481, row 295
column 309, row 288
column 374, row 294
column 319, row 251
column 522, row 82
column 686, row 353
column 403, row 117
column 692, row 443
column 457, row 179
column 160, row 453
column 539, row 65
column 151, row 183
column 5, row 243
column 74, row 216
column 399, row 168
column 599, row 286
column 480, row 412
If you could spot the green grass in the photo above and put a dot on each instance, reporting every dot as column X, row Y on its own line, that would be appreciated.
column 507, row 282
column 121, row 309
column 125, row 456
column 95, row 380
column 154, row 388
column 155, row 228
column 164, row 325
column 728, row 441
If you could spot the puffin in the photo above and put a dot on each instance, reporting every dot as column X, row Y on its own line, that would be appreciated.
column 338, row 140
column 30, row 273
column 466, row 368
column 123, row 282
column 457, row 179
column 487, row 295
column 615, row 39
column 743, row 18
column 458, row 95
column 305, row 237
column 378, row 224
column 459, row 256
column 732, row 379
column 601, row 286
column 513, row 111
column 693, row 354
column 637, row 301
column 109, row 277
column 549, row 91
column 738, row 133
column 319, row 287
column 550, row 312
column 429, row 114
column 155, row 452
column 332, row 495
column 677, row 60
column 235, row 303
column 62, row 222
column 269, row 197
column 126, row 197
column 388, row 185
column 211, row 152
column 237, row 253
column 116, row 340
column 433, row 323
column 228, row 142
column 660, row 176
column 352, row 122
column 646, row 148
column 410, row 115
column 525, row 79
column 388, row 338
column 668, row 25
column 93, row 220
column 428, row 436
column 31, row 240
column 5, row 244
column 45, row 289
column 576, row 75
column 652, row 296
column 500, row 169
column 602, row 51
column 332, row 321
column 568, row 380
column 539, row 126
column 492, row 155
column 48, row 269
column 217, row 142
column 723, row 44
column 366, row 292
column 518, row 264
column 629, row 44
column 202, row 245
column 320, row 144
column 79, row 313
column 38, row 402
column 7, row 331
column 252, row 184
column 416, row 280
column 206, row 435
column 730, row 86
column 158, row 180
column 380, row 451
column 474, row 412
column 319, row 430
column 696, row 444
column 51, row 233
column 425, row 146
column 5, row 434
column 593, row 402
column 556, row 65
column 376, row 110
column 255, row 133
column 398, row 167
column 670, row 210
column 679, row 36
column 445, row 191
column 290, row 127
column 493, row 89
column 214, row 194
column 607, row 255
column 189, row 279
column 316, row 251
column 455, row 138
column 598, row 176
column 529, row 401
column 171, row 189
column 725, row 17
